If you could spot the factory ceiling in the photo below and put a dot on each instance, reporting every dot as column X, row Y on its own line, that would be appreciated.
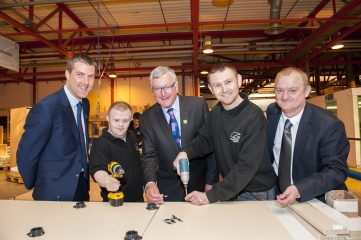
column 132, row 37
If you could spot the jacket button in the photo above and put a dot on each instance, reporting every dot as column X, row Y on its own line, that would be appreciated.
column 77, row 175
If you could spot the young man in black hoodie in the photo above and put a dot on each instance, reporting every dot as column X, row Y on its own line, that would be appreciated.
column 236, row 132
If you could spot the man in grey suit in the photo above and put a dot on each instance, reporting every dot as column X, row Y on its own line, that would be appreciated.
column 319, row 146
column 159, row 147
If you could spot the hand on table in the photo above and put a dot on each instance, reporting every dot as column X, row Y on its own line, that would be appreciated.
column 197, row 198
column 152, row 194
column 288, row 196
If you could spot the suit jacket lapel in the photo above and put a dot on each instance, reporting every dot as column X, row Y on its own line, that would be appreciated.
column 69, row 113
column 164, row 126
column 303, row 132
column 184, row 116
column 273, row 120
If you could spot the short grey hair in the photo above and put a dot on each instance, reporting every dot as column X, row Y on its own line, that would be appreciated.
column 160, row 71
column 302, row 75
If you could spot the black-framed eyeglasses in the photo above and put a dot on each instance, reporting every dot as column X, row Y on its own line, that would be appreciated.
column 167, row 89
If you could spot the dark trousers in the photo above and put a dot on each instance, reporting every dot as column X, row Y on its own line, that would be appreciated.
column 82, row 193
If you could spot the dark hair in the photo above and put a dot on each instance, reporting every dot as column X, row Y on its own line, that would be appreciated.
column 79, row 58
column 220, row 67
column 136, row 115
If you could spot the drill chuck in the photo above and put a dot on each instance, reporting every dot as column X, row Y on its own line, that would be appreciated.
column 116, row 169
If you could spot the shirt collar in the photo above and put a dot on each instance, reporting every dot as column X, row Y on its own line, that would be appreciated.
column 294, row 120
column 175, row 106
column 73, row 100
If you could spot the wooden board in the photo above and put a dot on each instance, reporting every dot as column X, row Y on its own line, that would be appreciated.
column 231, row 220
column 60, row 220
column 315, row 232
column 320, row 221
column 353, row 224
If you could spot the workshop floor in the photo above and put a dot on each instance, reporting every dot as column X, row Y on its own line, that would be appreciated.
column 9, row 190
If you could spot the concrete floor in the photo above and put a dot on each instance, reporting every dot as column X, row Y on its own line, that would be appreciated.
column 10, row 190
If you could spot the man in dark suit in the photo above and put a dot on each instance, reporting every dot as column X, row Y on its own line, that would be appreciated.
column 319, row 143
column 52, row 153
column 160, row 147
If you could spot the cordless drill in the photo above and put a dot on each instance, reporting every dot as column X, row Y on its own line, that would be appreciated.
column 116, row 199
column 184, row 172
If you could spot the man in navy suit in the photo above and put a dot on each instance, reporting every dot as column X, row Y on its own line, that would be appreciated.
column 319, row 143
column 160, row 147
column 51, row 157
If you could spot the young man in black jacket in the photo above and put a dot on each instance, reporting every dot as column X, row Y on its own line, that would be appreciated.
column 236, row 132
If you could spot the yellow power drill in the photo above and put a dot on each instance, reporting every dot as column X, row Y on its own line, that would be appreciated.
column 116, row 199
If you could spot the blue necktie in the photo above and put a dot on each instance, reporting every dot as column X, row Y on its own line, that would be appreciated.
column 81, row 137
column 174, row 127
column 284, row 168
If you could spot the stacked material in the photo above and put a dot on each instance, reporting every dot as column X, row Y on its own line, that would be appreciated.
column 5, row 161
column 325, row 222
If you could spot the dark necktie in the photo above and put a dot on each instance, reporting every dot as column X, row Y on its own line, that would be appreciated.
column 284, row 168
column 174, row 127
column 81, row 137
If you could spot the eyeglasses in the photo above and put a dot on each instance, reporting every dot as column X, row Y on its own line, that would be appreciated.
column 167, row 89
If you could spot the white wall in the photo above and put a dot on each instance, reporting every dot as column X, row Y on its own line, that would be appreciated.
column 14, row 96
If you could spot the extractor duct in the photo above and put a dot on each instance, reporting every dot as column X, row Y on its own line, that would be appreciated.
column 275, row 13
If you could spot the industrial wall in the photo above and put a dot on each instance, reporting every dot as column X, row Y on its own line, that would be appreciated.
column 135, row 91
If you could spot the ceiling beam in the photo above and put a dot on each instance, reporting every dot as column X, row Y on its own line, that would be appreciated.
column 195, row 27
column 6, row 6
column 33, row 34
column 327, row 29
column 317, row 9
column 331, row 43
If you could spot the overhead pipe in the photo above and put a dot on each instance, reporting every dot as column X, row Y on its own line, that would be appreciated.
column 275, row 13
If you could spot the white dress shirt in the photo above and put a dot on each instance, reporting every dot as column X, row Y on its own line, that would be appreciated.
column 278, row 139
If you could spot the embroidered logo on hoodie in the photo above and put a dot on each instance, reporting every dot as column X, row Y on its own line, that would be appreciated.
column 235, row 136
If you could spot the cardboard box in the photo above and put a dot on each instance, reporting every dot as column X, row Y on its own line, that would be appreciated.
column 343, row 201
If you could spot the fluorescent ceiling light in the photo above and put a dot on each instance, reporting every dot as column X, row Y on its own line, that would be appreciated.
column 338, row 45
column 112, row 75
